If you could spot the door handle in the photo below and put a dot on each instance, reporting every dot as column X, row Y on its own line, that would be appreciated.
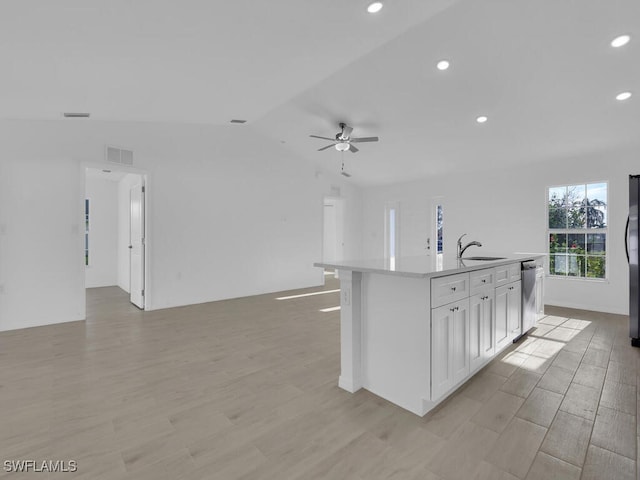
column 626, row 239
column 130, row 246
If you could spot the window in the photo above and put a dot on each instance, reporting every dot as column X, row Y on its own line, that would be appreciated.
column 86, row 232
column 577, row 230
column 391, row 224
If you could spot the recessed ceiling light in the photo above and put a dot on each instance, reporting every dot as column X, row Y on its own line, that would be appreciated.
column 620, row 41
column 442, row 65
column 623, row 96
column 482, row 119
column 374, row 7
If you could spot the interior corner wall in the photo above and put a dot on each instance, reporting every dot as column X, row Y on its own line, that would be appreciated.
column 41, row 241
column 505, row 209
column 102, row 270
column 124, row 214
column 229, row 214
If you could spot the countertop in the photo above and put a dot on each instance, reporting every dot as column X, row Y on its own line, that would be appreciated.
column 426, row 267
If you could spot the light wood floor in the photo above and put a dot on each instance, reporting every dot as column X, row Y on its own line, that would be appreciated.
column 247, row 389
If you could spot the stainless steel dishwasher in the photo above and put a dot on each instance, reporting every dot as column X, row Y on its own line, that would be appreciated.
column 529, row 314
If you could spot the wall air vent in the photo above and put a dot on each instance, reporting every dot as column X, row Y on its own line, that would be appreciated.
column 76, row 115
column 119, row 155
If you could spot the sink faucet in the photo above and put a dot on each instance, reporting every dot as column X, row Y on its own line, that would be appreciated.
column 461, row 249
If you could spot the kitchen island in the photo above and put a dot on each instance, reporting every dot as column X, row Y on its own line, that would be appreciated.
column 412, row 332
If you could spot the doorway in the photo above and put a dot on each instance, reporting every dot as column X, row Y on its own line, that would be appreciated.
column 115, row 232
column 436, row 246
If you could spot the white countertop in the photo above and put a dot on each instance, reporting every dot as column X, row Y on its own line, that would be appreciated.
column 425, row 267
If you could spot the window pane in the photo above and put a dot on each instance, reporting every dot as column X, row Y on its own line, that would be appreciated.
column 557, row 264
column 557, row 196
column 575, row 243
column 557, row 217
column 596, row 217
column 577, row 218
column 392, row 233
column 596, row 267
column 576, row 195
column 597, row 192
column 558, row 243
column 596, row 243
column 575, row 265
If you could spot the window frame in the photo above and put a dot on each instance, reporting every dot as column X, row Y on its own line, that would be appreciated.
column 578, row 231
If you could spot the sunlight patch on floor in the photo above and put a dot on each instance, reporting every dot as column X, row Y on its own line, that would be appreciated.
column 543, row 342
column 330, row 309
column 302, row 295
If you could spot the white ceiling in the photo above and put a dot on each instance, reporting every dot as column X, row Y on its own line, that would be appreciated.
column 542, row 71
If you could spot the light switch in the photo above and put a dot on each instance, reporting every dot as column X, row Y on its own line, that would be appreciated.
column 346, row 296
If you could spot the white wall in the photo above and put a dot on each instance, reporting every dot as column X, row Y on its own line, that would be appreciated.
column 41, row 241
column 505, row 210
column 230, row 213
column 124, row 214
column 103, row 232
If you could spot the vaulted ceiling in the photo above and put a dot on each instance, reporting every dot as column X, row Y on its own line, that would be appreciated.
column 543, row 72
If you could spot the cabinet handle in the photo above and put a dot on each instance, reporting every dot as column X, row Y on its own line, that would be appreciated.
column 453, row 288
column 452, row 309
column 484, row 280
column 457, row 308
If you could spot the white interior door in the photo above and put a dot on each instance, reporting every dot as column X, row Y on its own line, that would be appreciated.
column 330, row 243
column 136, row 246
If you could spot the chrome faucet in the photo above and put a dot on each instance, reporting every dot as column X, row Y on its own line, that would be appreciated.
column 461, row 249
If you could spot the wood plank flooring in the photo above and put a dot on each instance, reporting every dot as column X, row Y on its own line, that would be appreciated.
column 247, row 389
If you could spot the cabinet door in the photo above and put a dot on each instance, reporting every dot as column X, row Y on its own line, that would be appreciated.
column 460, row 352
column 487, row 332
column 442, row 319
column 449, row 346
column 476, row 324
column 502, row 317
column 481, row 329
column 515, row 310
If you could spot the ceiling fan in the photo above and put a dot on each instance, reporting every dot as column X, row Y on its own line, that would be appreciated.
column 344, row 141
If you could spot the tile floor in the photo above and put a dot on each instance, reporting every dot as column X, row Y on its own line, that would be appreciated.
column 246, row 389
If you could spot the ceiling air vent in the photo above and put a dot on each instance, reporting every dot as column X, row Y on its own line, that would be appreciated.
column 76, row 115
column 119, row 155
column 238, row 121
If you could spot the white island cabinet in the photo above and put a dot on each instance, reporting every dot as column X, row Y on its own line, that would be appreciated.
column 412, row 333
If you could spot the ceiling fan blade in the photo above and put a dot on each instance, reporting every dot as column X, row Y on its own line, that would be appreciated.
column 324, row 148
column 353, row 148
column 346, row 131
column 323, row 138
column 365, row 139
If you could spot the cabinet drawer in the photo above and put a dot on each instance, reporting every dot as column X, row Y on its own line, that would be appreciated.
column 507, row 274
column 481, row 280
column 449, row 289
column 515, row 272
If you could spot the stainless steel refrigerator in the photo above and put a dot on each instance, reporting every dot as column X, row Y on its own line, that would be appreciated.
column 631, row 244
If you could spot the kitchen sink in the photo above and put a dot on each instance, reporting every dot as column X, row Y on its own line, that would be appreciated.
column 483, row 258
